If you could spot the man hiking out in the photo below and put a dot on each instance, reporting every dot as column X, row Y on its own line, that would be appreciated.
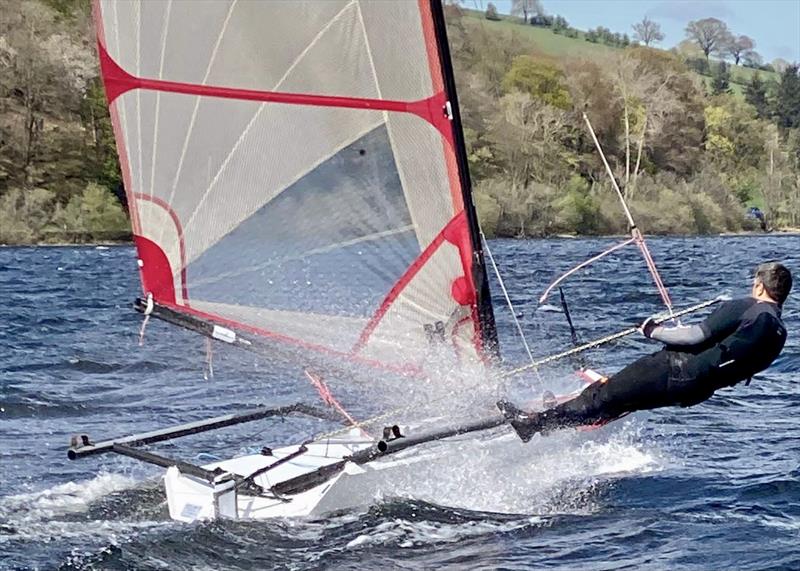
column 739, row 339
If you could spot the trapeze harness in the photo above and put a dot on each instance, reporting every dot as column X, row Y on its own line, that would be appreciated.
column 741, row 338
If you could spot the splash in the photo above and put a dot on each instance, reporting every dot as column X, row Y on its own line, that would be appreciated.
column 497, row 473
column 64, row 510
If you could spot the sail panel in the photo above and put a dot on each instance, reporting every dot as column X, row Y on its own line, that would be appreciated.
column 335, row 205
column 329, row 47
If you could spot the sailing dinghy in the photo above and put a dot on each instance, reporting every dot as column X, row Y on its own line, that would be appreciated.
column 298, row 187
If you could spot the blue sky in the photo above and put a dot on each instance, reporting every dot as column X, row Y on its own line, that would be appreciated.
column 773, row 24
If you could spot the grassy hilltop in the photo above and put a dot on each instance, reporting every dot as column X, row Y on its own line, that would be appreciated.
column 559, row 45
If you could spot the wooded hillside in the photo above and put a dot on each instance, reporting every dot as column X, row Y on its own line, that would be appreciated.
column 691, row 154
column 692, row 157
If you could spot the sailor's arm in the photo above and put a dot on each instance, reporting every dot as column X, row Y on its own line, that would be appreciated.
column 678, row 335
column 718, row 325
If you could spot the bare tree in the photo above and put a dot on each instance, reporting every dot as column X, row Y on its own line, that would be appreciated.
column 753, row 58
column 646, row 101
column 710, row 34
column 738, row 46
column 780, row 64
column 647, row 31
column 526, row 8
column 529, row 135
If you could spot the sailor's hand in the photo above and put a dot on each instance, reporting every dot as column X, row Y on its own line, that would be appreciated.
column 648, row 326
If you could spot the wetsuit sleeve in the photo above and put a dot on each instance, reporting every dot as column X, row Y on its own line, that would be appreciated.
column 680, row 335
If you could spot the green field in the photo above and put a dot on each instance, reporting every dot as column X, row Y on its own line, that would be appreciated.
column 557, row 45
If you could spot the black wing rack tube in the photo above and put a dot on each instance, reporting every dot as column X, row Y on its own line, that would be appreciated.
column 81, row 446
column 382, row 448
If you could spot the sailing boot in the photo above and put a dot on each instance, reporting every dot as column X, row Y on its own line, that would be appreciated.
column 525, row 424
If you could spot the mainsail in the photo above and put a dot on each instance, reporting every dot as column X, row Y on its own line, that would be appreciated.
column 296, row 170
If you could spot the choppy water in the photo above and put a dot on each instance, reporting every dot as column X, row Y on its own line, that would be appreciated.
column 716, row 486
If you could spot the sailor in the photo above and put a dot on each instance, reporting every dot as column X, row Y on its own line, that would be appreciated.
column 739, row 339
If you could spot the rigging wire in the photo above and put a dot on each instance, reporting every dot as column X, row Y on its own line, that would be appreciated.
column 582, row 265
column 609, row 338
column 636, row 234
column 501, row 388
column 508, row 298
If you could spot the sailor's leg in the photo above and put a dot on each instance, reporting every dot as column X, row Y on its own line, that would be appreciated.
column 639, row 386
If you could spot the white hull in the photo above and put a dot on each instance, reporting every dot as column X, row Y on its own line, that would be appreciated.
column 192, row 499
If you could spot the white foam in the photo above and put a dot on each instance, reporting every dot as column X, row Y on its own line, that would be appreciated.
column 406, row 533
column 67, row 498
column 554, row 474
column 38, row 515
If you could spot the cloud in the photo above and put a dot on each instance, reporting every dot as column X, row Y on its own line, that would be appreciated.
column 685, row 11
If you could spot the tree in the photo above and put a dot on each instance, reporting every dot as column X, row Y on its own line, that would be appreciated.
column 526, row 8
column 787, row 98
column 710, row 34
column 721, row 80
column 737, row 46
column 43, row 76
column 646, row 99
column 755, row 93
column 559, row 23
column 491, row 12
column 753, row 59
column 647, row 31
column 529, row 138
column 779, row 64
column 94, row 214
column 540, row 79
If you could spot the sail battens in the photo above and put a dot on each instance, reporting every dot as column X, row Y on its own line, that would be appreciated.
column 293, row 171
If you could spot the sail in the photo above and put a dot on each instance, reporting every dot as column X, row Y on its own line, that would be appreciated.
column 296, row 170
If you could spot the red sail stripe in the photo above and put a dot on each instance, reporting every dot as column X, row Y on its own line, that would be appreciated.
column 117, row 82
column 445, row 235
column 173, row 215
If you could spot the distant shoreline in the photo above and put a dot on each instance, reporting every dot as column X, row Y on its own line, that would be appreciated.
column 781, row 232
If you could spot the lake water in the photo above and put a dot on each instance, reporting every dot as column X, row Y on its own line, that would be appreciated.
column 715, row 486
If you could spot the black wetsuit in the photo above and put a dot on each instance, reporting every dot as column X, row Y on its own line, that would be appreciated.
column 741, row 338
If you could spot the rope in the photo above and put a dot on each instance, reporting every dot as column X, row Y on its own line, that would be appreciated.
column 147, row 311
column 651, row 265
column 208, row 372
column 330, row 400
column 607, row 339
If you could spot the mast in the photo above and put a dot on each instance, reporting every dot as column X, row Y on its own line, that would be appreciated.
column 488, row 328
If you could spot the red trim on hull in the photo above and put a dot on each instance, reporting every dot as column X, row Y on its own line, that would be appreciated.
column 159, row 202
